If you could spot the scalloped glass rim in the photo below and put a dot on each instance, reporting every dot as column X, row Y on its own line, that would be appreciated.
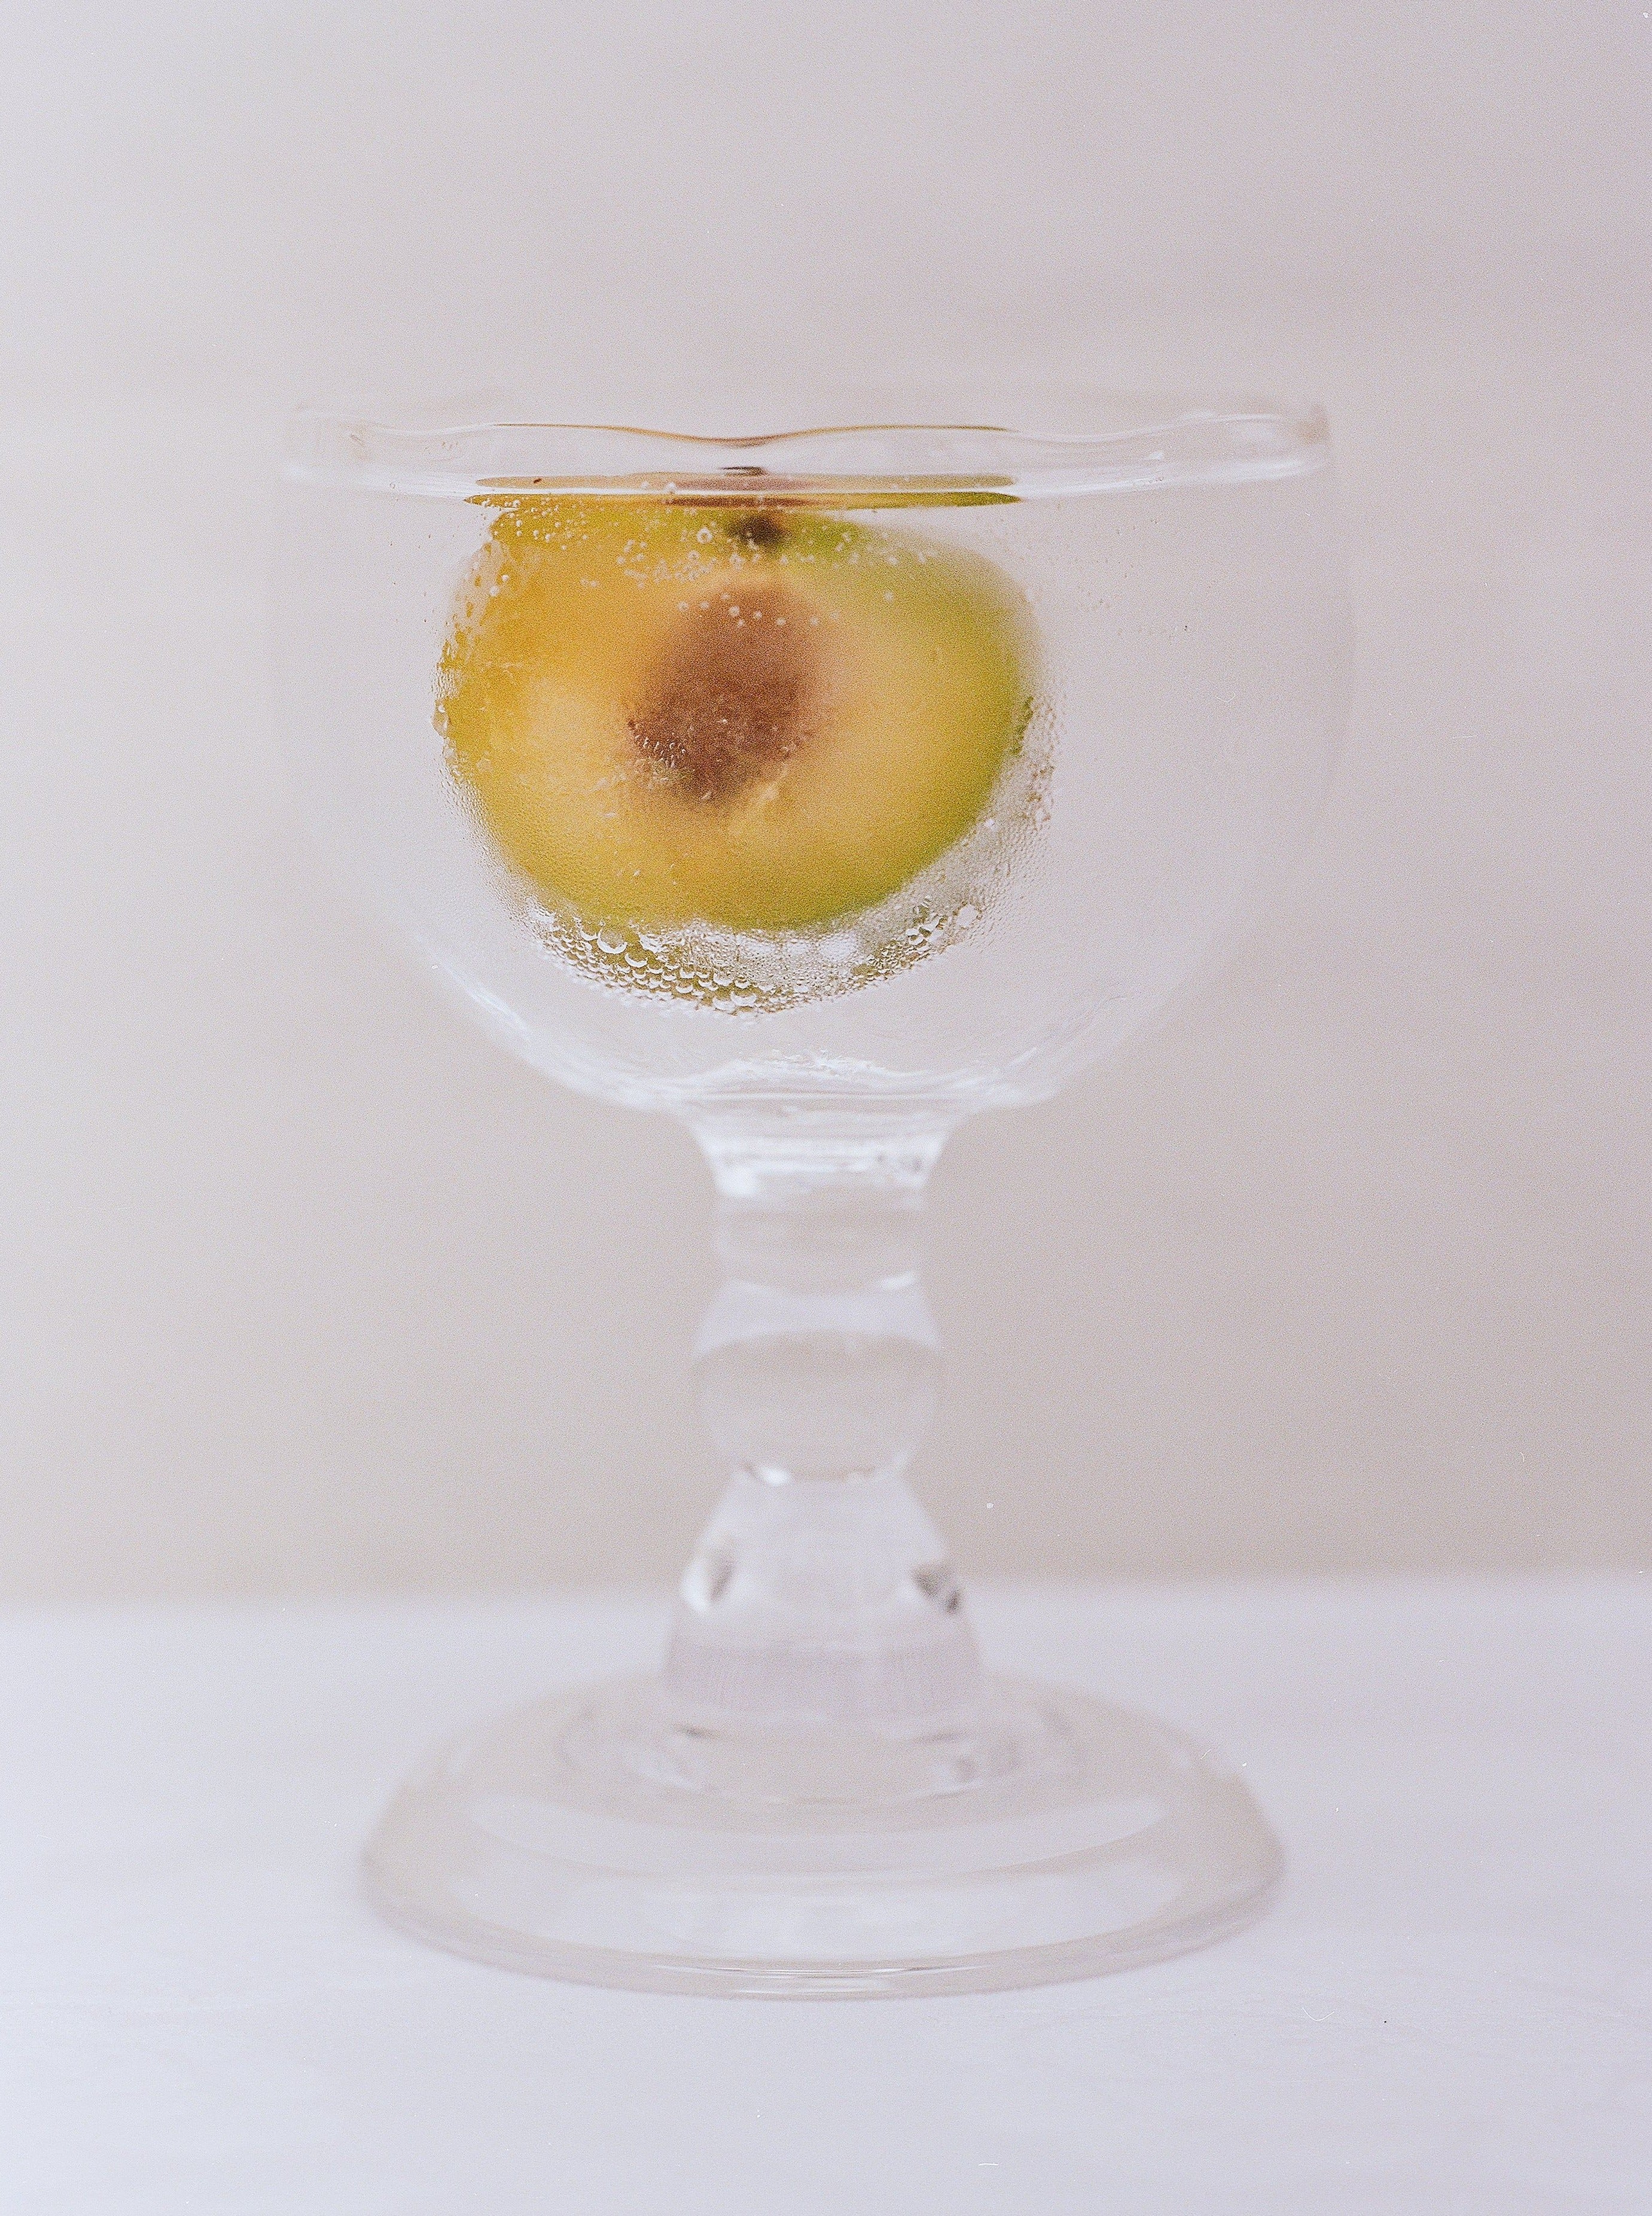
column 1137, row 443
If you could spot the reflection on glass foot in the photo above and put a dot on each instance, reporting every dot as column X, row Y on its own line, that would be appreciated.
column 617, row 1836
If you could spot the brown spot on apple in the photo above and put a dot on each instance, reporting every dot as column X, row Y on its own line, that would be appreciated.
column 733, row 694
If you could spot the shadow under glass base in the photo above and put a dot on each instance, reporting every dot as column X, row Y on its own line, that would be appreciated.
column 611, row 1836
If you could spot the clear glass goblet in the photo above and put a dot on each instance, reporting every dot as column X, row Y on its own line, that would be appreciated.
column 1034, row 724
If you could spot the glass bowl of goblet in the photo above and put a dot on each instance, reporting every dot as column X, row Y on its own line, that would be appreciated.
column 822, row 790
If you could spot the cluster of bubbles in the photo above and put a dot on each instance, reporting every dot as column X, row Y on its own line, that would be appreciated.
column 736, row 972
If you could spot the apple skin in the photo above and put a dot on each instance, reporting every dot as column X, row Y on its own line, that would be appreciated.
column 663, row 714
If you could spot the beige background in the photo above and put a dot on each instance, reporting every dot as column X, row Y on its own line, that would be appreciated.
column 307, row 1286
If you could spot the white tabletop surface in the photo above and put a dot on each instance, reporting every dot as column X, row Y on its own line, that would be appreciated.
column 1448, row 2010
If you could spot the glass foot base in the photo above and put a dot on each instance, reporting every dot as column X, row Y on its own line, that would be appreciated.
column 611, row 1836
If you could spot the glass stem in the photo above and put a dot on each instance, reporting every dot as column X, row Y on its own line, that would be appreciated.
column 820, row 1588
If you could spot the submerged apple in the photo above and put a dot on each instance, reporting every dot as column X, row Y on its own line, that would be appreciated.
column 760, row 717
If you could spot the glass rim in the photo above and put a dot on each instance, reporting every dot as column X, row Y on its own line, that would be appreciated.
column 1138, row 442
